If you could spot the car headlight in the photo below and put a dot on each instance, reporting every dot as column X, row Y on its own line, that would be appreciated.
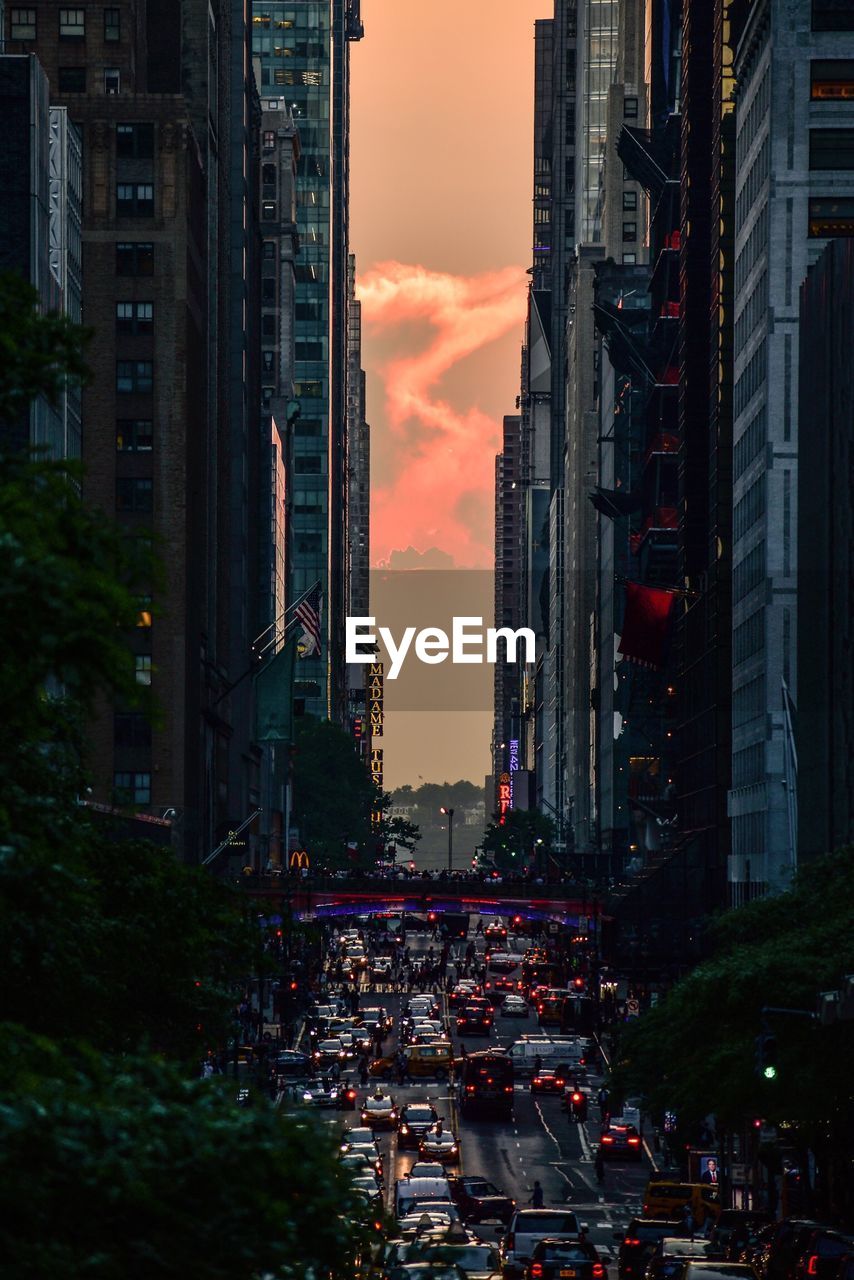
column 404, row 1128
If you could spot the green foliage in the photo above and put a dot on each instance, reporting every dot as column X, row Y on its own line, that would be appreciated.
column 513, row 843
column 121, row 1168
column 695, row 1052
column 38, row 353
column 334, row 796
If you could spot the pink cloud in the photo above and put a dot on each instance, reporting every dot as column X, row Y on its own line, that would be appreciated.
column 440, row 494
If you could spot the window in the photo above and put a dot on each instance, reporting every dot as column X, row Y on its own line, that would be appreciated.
column 143, row 617
column 268, row 363
column 134, row 493
column 268, row 210
column 269, row 251
column 630, row 108
column 268, row 291
column 832, row 148
column 134, row 376
column 72, row 24
column 142, row 668
column 307, row 427
column 630, row 200
column 269, row 139
column 268, row 325
column 629, row 259
column 135, row 258
column 268, row 175
column 134, row 141
column 831, row 217
column 308, row 351
column 630, row 231
column 134, row 435
column 132, row 788
column 134, row 317
column 112, row 25
column 135, row 199
column 832, row 15
column 112, row 81
column 72, row 79
column 23, row 24
column 308, row 464
column 131, row 729
column 831, row 79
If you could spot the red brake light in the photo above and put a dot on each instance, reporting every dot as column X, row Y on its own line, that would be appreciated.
column 536, row 1270
column 351, row 1093
column 812, row 1265
column 576, row 1097
column 606, row 1137
column 598, row 1270
column 469, row 1088
column 634, row 1142
column 631, row 1241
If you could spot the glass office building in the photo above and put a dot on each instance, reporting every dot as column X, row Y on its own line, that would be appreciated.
column 597, row 62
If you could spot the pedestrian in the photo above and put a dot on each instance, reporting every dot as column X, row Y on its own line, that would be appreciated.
column 537, row 1200
column 538, row 1063
column 688, row 1224
column 600, row 1166
column 363, row 1072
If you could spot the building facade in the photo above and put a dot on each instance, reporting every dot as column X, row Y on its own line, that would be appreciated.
column 794, row 173
column 151, row 90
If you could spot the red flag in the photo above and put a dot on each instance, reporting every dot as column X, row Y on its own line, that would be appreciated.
column 645, row 624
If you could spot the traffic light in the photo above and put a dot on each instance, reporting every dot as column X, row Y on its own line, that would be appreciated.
column 766, row 1056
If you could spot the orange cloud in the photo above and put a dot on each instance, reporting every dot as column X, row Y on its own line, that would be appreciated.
column 441, row 489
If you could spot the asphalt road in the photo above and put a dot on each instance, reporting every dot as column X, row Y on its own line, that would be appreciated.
column 540, row 1141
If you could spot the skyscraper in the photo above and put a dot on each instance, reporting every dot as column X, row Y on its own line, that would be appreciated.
column 794, row 186
column 303, row 48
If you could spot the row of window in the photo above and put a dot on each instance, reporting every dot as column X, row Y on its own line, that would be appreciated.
column 750, row 120
column 750, row 442
column 748, row 841
column 748, row 702
column 748, row 638
column 749, row 573
column 73, row 80
column 72, row 23
column 748, row 764
column 832, row 15
column 752, row 249
column 752, row 313
column 832, row 149
column 751, row 379
column 132, row 788
column 754, row 181
column 749, row 508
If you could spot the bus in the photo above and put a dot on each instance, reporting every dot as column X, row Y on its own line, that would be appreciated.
column 486, row 1084
column 454, row 924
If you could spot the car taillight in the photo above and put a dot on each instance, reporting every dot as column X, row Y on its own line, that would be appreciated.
column 634, row 1142
column 510, row 1242
column 631, row 1242
column 469, row 1088
column 606, row 1138
column 351, row 1094
column 536, row 1269
column 576, row 1097
column 508, row 1088
column 812, row 1265
column 598, row 1271
column 537, row 1080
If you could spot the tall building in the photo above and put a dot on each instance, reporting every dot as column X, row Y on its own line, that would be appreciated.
column 794, row 178
column 358, row 521
column 824, row 776
column 303, row 49
column 163, row 105
column 41, row 176
column 508, row 575
column 597, row 58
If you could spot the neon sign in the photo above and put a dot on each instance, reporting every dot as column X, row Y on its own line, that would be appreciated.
column 505, row 797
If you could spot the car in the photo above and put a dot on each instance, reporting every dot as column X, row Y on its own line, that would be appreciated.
column 717, row 1271
column 784, row 1246
column 415, row 1119
column 621, row 1142
column 380, row 969
column 502, row 962
column 412, row 1224
column 427, row 1271
column 495, row 929
column 439, row 1143
column 379, row 1110
column 565, row 1259
column 477, row 1261
column 292, row 1063
column 472, row 1021
column 462, row 993
column 360, row 1165
column 370, row 1153
column 671, row 1254
column 736, row 1229
column 515, row 1007
column 548, row 1080
column 527, row 1228
column 328, row 1093
column 366, row 1186
column 427, row 1169
column 822, row 1253
column 638, row 1242
column 359, row 1136
column 480, row 1200
column 331, row 1051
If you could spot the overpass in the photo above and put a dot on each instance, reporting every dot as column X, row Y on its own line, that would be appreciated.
column 327, row 897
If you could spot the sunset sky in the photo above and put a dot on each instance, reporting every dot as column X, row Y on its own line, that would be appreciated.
column 441, row 141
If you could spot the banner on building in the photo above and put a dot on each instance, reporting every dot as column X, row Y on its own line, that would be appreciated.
column 375, row 699
column 505, row 798
column 274, row 685
column 646, row 625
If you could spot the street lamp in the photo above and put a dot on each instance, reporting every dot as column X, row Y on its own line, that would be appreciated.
column 449, row 813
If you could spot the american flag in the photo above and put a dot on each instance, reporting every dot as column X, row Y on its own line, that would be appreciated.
column 307, row 613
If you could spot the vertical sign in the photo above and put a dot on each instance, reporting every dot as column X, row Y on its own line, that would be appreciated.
column 375, row 699
column 377, row 767
column 514, row 768
column 505, row 798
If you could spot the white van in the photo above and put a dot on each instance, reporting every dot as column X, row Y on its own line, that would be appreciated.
column 408, row 1191
column 552, row 1051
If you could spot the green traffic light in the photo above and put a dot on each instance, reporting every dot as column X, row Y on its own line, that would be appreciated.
column 770, row 1073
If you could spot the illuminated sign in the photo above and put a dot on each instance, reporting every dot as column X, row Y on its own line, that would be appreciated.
column 377, row 767
column 505, row 797
column 514, row 768
column 299, row 859
column 375, row 699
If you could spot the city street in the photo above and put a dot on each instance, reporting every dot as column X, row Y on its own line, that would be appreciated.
column 539, row 1143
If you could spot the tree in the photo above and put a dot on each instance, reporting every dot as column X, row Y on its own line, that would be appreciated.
column 334, row 796
column 120, row 1167
column 519, row 839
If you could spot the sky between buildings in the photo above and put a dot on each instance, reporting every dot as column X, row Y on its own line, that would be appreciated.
column 441, row 147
